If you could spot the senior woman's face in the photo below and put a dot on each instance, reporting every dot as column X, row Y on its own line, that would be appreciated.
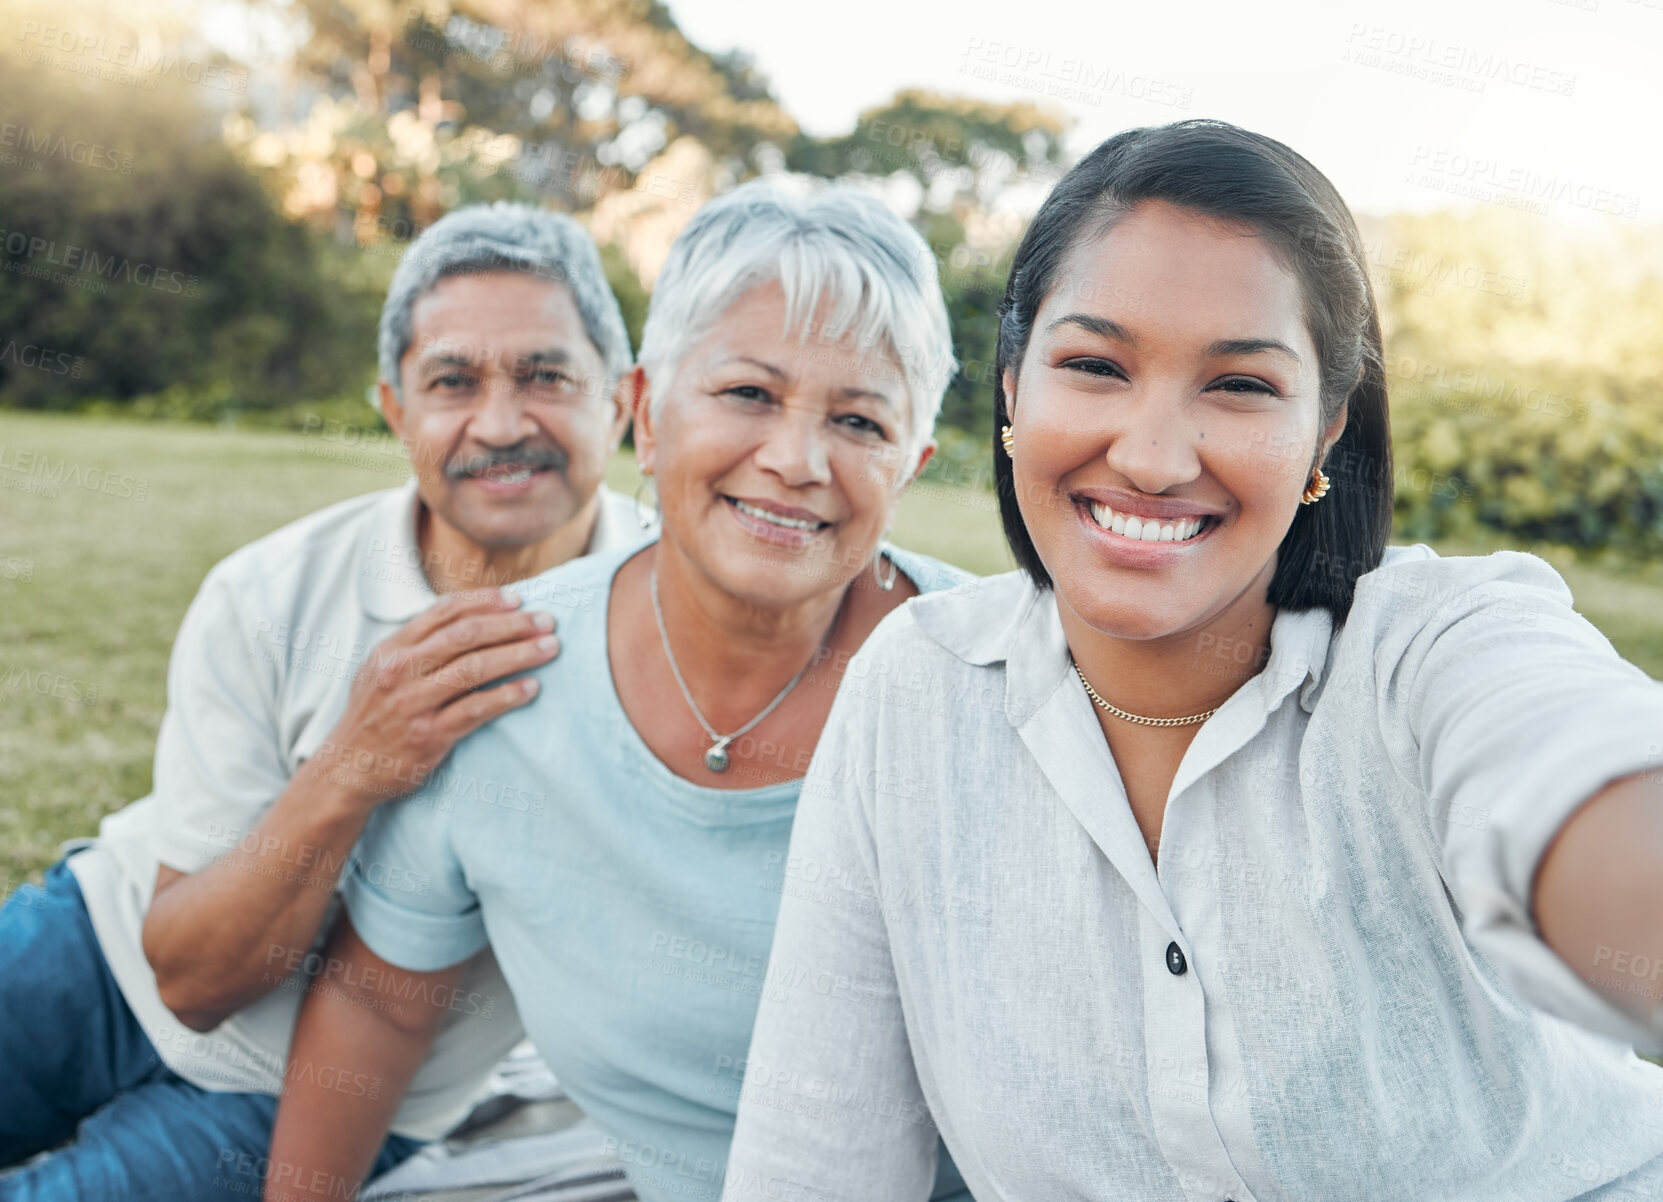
column 778, row 461
column 1169, row 382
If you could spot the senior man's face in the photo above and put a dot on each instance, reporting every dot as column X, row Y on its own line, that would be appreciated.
column 778, row 460
column 504, row 413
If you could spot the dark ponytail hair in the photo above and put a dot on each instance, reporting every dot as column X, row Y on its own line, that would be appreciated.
column 1224, row 172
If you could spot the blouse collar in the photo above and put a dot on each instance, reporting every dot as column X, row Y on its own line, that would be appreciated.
column 1006, row 619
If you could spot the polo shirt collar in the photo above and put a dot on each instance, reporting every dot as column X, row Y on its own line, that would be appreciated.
column 392, row 586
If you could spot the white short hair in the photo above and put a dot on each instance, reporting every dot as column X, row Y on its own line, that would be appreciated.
column 838, row 247
column 504, row 236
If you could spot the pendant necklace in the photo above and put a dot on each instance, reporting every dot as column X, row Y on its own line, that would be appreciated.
column 716, row 758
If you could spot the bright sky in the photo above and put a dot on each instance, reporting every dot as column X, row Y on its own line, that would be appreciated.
column 1551, row 105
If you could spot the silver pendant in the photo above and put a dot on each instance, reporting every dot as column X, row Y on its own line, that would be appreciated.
column 716, row 759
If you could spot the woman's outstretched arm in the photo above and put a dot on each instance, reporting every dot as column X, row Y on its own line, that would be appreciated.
column 1539, row 749
column 1598, row 897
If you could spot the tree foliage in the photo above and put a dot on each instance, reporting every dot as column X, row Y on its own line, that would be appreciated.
column 1526, row 364
column 962, row 152
column 230, row 247
column 141, row 259
column 405, row 110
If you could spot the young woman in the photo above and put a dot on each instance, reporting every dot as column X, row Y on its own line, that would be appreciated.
column 621, row 840
column 1243, row 857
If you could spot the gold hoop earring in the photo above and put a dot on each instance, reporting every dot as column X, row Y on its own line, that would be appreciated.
column 1316, row 489
column 1008, row 437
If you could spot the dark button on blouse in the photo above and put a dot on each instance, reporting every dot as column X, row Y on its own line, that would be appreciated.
column 1175, row 963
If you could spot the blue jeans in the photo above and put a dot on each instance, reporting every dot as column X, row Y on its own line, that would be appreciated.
column 76, row 1066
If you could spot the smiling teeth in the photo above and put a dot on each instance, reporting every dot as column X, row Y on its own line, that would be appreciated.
column 1145, row 531
column 518, row 477
column 777, row 519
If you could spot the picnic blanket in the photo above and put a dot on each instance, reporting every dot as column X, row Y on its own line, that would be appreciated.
column 523, row 1140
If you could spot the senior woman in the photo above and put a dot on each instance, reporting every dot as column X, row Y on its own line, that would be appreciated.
column 1284, row 865
column 621, row 840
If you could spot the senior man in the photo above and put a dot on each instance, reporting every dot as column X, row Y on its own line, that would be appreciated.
column 148, row 990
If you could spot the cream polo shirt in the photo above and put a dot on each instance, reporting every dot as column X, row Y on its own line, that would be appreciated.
column 259, row 676
column 1330, row 988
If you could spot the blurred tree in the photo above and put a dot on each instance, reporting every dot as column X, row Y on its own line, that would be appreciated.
column 963, row 152
column 146, row 260
column 1526, row 366
column 413, row 108
column 626, row 286
column 144, row 263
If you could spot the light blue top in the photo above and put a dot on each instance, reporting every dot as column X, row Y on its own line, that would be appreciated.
column 631, row 910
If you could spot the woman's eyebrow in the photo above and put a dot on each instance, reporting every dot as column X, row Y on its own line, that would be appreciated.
column 1096, row 325
column 854, row 393
column 1250, row 346
column 773, row 371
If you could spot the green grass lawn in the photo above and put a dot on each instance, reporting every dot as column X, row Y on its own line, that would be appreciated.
column 96, row 572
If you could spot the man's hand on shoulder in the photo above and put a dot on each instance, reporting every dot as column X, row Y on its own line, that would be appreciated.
column 424, row 687
column 212, row 935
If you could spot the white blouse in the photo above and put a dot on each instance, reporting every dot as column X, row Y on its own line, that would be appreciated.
column 1331, row 990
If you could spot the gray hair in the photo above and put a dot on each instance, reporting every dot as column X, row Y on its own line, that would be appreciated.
column 838, row 245
column 504, row 237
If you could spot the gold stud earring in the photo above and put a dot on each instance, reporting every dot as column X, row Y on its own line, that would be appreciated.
column 1007, row 437
column 1317, row 489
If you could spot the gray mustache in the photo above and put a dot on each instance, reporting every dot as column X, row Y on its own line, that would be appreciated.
column 536, row 458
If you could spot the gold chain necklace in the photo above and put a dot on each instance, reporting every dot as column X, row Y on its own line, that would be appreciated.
column 1139, row 718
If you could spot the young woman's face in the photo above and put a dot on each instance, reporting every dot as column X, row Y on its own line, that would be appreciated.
column 1170, row 383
